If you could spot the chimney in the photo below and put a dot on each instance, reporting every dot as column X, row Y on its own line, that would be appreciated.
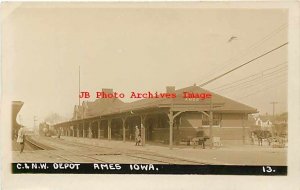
column 107, row 90
column 170, row 89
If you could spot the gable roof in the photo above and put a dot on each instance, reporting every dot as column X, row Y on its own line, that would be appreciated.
column 102, row 106
column 109, row 106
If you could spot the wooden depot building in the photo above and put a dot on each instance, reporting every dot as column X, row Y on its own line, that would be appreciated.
column 164, row 120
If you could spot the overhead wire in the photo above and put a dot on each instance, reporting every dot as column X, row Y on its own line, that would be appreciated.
column 259, row 74
column 249, row 49
column 261, row 77
column 248, row 87
column 263, row 90
column 244, row 64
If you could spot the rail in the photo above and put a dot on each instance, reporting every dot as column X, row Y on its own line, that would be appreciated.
column 35, row 145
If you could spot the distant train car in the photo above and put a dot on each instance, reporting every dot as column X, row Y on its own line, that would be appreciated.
column 45, row 129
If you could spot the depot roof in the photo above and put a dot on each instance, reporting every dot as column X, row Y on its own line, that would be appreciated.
column 110, row 106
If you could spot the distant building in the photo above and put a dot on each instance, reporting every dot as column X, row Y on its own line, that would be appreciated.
column 263, row 124
column 276, row 124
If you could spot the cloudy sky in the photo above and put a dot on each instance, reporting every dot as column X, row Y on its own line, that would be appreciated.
column 141, row 49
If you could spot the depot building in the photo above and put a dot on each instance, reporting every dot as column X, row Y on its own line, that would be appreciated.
column 170, row 121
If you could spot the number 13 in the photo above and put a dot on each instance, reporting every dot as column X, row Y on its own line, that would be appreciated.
column 267, row 169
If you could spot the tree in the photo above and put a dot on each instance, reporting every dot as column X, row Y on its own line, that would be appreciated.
column 54, row 118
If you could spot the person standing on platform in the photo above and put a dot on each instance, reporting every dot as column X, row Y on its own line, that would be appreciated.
column 58, row 133
column 21, row 138
column 137, row 136
column 252, row 138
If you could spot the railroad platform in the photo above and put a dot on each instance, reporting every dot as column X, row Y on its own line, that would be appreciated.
column 229, row 155
column 72, row 149
column 16, row 146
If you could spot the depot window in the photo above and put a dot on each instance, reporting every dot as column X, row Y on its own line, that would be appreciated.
column 217, row 117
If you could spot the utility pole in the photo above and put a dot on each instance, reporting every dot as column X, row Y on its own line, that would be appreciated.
column 34, row 124
column 79, row 88
column 83, row 106
column 34, row 121
column 211, row 124
column 274, row 107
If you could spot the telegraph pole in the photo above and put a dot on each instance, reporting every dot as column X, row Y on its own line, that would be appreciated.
column 79, row 88
column 34, row 121
column 83, row 108
column 34, row 124
column 274, row 107
column 211, row 123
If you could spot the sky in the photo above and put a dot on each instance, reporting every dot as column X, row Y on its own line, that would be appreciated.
column 141, row 49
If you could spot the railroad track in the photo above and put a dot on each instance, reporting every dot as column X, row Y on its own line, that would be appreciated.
column 78, row 155
column 122, row 152
column 135, row 154
column 34, row 144
column 145, row 155
column 165, row 159
column 97, row 151
column 37, row 146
